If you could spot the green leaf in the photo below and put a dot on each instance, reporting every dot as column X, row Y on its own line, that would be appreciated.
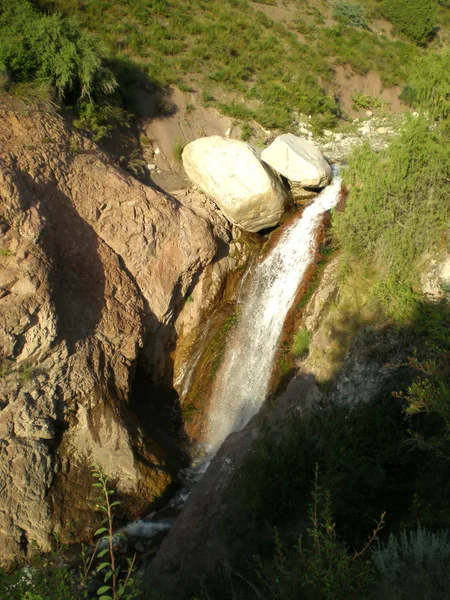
column 97, row 485
column 102, row 553
column 103, row 589
column 108, row 576
column 103, row 565
column 115, row 503
column 101, row 530
column 105, row 598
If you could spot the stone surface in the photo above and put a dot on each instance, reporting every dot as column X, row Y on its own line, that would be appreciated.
column 435, row 279
column 249, row 194
column 94, row 269
column 299, row 160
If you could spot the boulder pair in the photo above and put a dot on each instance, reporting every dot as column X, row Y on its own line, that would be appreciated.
column 247, row 188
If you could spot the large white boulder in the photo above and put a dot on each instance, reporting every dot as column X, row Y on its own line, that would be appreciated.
column 297, row 159
column 249, row 194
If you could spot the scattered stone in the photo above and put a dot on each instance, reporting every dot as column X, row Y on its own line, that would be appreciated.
column 327, row 133
column 369, row 113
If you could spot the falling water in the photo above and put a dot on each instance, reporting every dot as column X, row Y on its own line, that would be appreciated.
column 242, row 382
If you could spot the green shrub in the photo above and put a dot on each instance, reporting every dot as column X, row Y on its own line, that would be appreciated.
column 246, row 132
column 408, row 95
column 365, row 101
column 52, row 48
column 320, row 567
column 350, row 14
column 416, row 19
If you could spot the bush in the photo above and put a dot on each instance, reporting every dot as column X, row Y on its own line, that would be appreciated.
column 52, row 48
column 416, row 19
column 350, row 14
column 414, row 565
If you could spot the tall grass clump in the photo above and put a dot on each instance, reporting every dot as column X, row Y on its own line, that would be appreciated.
column 301, row 342
column 429, row 83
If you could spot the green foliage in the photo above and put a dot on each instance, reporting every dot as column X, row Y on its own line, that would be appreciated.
column 350, row 14
column 364, row 101
column 301, row 342
column 117, row 582
column 329, row 568
column 52, row 48
column 276, row 479
column 100, row 118
column 408, row 95
column 46, row 578
column 397, row 210
column 26, row 373
column 247, row 132
column 416, row 19
column 178, row 150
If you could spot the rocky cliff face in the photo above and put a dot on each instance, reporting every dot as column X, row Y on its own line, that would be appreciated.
column 94, row 270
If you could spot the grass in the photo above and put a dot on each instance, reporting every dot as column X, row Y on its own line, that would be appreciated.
column 178, row 150
column 26, row 373
column 233, row 49
column 301, row 342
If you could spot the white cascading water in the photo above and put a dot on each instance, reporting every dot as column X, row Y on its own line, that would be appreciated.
column 242, row 382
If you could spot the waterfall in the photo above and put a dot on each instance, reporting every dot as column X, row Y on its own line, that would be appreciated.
column 242, row 382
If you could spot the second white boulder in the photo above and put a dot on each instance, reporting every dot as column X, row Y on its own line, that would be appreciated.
column 297, row 159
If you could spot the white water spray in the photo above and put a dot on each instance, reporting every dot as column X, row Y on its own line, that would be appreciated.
column 242, row 382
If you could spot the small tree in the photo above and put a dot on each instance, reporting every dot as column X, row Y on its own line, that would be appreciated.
column 53, row 48
column 350, row 14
